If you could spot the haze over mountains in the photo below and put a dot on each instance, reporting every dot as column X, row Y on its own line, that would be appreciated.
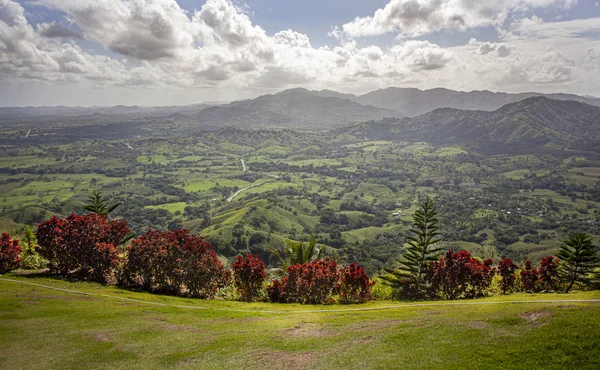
column 300, row 106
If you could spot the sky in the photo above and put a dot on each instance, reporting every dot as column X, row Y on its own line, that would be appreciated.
column 177, row 52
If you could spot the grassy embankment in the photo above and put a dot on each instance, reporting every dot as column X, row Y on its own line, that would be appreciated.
column 43, row 328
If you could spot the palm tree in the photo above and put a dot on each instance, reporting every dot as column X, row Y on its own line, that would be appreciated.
column 297, row 252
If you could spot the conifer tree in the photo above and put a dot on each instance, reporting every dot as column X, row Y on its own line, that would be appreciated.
column 96, row 204
column 579, row 258
column 411, row 275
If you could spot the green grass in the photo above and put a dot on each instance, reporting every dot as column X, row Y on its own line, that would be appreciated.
column 42, row 328
column 449, row 151
column 171, row 207
column 203, row 185
column 517, row 174
column 27, row 161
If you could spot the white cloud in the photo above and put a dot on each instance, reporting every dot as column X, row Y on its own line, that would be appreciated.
column 421, row 55
column 157, row 44
column 536, row 27
column 25, row 53
column 145, row 29
column 421, row 17
column 501, row 50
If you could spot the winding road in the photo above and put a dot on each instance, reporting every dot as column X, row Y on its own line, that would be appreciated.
column 274, row 177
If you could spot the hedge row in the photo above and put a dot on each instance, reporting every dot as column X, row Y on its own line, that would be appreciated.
column 177, row 262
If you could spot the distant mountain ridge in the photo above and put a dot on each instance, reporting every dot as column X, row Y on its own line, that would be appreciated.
column 298, row 109
column 524, row 125
column 411, row 102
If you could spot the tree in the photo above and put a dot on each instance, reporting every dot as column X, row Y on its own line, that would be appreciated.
column 411, row 276
column 96, row 204
column 579, row 258
column 298, row 252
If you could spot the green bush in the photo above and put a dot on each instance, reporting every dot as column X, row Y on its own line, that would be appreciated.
column 381, row 291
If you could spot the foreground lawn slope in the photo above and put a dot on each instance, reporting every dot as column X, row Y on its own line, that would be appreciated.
column 115, row 328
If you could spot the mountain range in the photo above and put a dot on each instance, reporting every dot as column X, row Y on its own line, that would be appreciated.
column 483, row 120
column 528, row 125
column 302, row 109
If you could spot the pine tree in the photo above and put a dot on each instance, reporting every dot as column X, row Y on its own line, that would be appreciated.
column 411, row 275
column 96, row 204
column 579, row 258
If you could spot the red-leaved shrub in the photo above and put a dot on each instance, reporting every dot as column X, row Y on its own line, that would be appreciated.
column 276, row 291
column 354, row 284
column 529, row 277
column 310, row 283
column 459, row 275
column 82, row 245
column 481, row 278
column 174, row 262
column 548, row 273
column 10, row 253
column 506, row 269
column 249, row 274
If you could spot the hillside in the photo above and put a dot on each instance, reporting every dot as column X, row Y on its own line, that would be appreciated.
column 525, row 125
column 297, row 109
column 108, row 327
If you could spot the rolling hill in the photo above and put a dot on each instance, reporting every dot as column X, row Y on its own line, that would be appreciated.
column 525, row 125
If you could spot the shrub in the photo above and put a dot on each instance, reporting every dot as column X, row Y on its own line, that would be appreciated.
column 276, row 291
column 506, row 269
column 548, row 273
column 459, row 275
column 382, row 291
column 308, row 283
column 10, row 253
column 354, row 284
column 249, row 274
column 481, row 278
column 174, row 262
column 85, row 246
column 312, row 283
column 30, row 259
column 529, row 278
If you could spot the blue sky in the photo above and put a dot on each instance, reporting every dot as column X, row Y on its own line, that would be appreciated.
column 160, row 52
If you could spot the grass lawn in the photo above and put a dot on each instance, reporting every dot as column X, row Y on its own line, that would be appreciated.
column 43, row 328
